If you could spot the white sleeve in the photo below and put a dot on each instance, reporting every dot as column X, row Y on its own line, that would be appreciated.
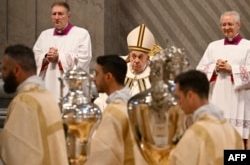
column 39, row 52
column 241, row 72
column 84, row 53
column 207, row 64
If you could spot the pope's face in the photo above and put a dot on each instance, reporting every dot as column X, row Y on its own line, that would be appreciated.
column 60, row 17
column 229, row 26
column 138, row 60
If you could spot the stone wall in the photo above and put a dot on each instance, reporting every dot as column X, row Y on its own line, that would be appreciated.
column 190, row 24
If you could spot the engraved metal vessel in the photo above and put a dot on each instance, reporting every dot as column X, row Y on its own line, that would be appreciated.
column 80, row 116
column 148, row 111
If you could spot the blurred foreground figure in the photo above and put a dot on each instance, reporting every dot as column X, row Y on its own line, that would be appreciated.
column 210, row 134
column 33, row 132
column 112, row 143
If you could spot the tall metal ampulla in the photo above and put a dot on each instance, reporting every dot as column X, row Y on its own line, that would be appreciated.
column 148, row 111
column 80, row 116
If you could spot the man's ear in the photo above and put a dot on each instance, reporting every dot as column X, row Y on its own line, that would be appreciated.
column 109, row 76
column 18, row 71
column 190, row 94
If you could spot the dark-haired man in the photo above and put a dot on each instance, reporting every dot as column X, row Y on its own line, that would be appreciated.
column 60, row 48
column 33, row 132
column 112, row 144
column 210, row 134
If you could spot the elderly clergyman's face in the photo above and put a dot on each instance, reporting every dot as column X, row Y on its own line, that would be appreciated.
column 229, row 26
column 60, row 17
column 138, row 61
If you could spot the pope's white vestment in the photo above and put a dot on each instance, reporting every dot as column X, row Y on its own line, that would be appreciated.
column 137, row 82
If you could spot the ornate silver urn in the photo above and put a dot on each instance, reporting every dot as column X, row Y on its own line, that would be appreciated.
column 80, row 116
column 148, row 111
